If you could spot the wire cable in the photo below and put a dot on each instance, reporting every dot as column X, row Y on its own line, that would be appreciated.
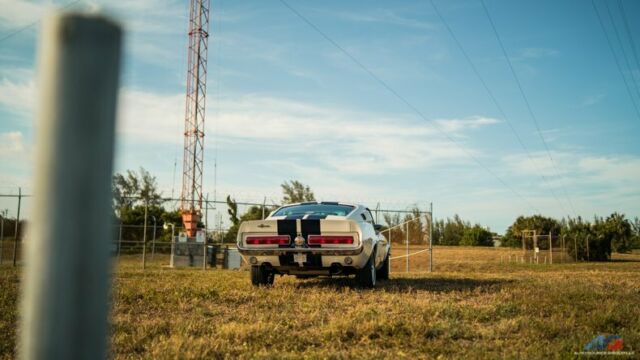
column 624, row 53
column 631, row 40
column 407, row 103
column 615, row 57
column 527, row 103
column 23, row 28
column 494, row 100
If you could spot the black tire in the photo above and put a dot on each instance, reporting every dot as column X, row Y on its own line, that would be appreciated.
column 261, row 276
column 366, row 277
column 383, row 272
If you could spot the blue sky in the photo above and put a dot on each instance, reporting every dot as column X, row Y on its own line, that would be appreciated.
column 284, row 103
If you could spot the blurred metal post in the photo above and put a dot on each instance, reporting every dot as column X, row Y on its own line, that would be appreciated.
column 431, row 237
column 144, row 236
column 407, row 228
column 17, row 229
column 64, row 300
column 264, row 205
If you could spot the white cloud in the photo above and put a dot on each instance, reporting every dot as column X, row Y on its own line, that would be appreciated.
column 536, row 53
column 17, row 13
column 581, row 172
column 384, row 16
column 11, row 144
column 459, row 125
column 351, row 142
column 592, row 100
column 17, row 95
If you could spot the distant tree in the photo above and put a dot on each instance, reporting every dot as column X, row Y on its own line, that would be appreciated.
column 253, row 213
column 476, row 236
column 295, row 191
column 453, row 231
column 617, row 230
column 635, row 226
column 541, row 224
column 396, row 233
column 438, row 231
column 133, row 188
column 583, row 242
column 232, row 209
column 417, row 229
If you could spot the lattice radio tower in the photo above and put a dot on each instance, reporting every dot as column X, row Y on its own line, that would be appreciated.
column 192, row 164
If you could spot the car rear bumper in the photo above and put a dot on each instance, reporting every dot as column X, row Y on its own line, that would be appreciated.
column 318, row 259
column 284, row 251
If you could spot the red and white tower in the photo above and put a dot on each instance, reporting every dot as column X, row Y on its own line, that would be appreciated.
column 192, row 164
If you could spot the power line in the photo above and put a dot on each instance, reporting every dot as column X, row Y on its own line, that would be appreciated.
column 631, row 40
column 624, row 53
column 494, row 100
column 23, row 28
column 526, row 101
column 615, row 57
column 406, row 102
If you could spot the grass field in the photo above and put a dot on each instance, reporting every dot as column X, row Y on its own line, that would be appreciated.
column 471, row 306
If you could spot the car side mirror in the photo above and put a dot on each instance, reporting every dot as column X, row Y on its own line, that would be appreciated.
column 378, row 227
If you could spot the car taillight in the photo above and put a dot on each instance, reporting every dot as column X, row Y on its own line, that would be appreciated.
column 268, row 240
column 330, row 239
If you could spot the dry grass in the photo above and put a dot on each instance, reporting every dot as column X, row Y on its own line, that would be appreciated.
column 472, row 306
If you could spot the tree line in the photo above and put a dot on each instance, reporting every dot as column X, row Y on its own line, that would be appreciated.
column 133, row 192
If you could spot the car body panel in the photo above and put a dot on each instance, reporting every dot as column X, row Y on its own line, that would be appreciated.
column 323, row 259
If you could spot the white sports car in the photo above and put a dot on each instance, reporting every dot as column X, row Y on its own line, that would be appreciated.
column 315, row 239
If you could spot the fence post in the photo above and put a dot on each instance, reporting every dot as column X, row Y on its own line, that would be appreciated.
column 153, row 239
column 407, row 228
column 2, row 235
column 430, row 237
column 64, row 299
column 550, row 248
column 588, row 257
column 17, row 229
column 390, row 243
column 173, row 244
column 144, row 236
column 119, row 239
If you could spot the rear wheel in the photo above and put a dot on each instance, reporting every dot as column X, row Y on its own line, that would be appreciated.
column 383, row 272
column 366, row 277
column 260, row 276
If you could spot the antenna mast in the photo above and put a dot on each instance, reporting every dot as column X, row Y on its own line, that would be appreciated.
column 192, row 165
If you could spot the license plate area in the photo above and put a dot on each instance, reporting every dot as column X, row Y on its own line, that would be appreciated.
column 300, row 258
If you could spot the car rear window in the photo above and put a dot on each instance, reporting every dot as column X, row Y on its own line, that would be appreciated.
column 314, row 209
